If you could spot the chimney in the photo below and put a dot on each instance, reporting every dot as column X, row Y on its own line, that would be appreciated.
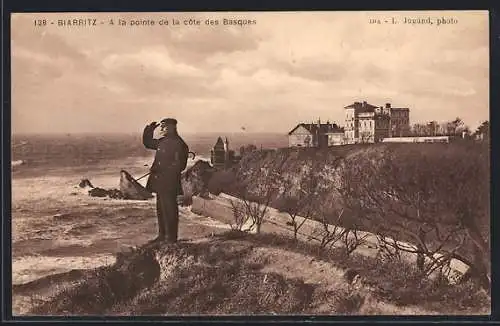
column 364, row 103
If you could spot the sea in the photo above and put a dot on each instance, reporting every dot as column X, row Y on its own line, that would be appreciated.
column 47, row 154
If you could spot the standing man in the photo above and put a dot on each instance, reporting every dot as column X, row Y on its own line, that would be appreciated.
column 165, row 178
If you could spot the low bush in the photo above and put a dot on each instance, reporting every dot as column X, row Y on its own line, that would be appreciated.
column 221, row 181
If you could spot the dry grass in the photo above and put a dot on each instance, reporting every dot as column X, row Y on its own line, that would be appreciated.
column 236, row 273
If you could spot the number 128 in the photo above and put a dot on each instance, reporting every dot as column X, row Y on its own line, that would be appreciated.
column 40, row 22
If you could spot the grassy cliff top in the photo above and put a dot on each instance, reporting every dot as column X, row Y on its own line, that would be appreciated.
column 237, row 273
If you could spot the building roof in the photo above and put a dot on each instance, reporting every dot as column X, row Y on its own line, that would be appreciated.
column 219, row 144
column 400, row 109
column 361, row 107
column 323, row 128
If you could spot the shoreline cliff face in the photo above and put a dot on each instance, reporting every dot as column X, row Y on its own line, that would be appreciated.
column 298, row 171
column 346, row 171
column 335, row 169
column 328, row 166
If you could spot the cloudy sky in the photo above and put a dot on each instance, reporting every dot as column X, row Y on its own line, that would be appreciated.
column 268, row 76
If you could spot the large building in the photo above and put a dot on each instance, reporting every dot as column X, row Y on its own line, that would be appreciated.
column 400, row 121
column 316, row 135
column 367, row 123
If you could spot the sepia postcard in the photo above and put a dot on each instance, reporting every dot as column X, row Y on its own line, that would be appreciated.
column 250, row 163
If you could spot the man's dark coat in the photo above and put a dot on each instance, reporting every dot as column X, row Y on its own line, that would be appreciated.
column 170, row 160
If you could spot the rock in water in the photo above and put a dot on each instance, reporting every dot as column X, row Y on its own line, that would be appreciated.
column 131, row 189
column 85, row 183
column 98, row 192
column 115, row 194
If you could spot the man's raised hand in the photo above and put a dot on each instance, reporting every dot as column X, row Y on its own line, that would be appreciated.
column 153, row 125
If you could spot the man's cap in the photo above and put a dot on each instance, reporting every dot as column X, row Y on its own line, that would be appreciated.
column 169, row 121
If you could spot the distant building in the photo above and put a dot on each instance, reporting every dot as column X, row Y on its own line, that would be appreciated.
column 483, row 131
column 221, row 156
column 316, row 135
column 400, row 121
column 429, row 139
column 367, row 123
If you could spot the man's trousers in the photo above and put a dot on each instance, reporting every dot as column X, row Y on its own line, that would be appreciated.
column 168, row 215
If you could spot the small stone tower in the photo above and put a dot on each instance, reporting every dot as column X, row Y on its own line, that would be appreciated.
column 227, row 160
column 218, row 154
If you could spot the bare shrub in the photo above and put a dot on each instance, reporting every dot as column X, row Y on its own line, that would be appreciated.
column 248, row 210
column 349, row 238
column 432, row 198
column 352, row 239
column 331, row 233
column 300, row 200
column 257, row 187
column 386, row 250
column 239, row 215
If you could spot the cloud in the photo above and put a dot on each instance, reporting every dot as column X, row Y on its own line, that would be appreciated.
column 42, row 43
column 202, row 43
column 152, row 71
column 316, row 69
column 155, row 60
column 286, row 68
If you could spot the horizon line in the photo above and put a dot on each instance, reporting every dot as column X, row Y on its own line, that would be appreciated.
column 139, row 133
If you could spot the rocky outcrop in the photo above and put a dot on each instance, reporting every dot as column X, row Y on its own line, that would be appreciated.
column 111, row 193
column 100, row 192
column 194, row 183
column 131, row 189
column 195, row 179
column 85, row 183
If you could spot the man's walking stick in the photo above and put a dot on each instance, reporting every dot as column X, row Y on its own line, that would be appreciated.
column 194, row 155
column 143, row 176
